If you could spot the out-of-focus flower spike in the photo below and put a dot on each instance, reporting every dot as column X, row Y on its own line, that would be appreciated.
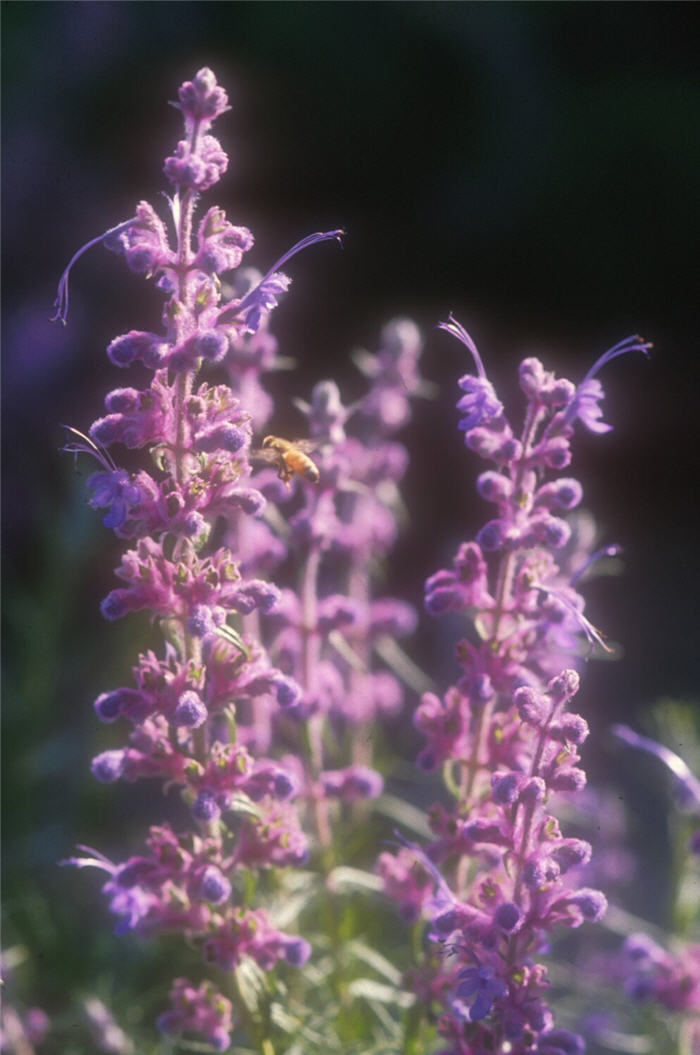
column 62, row 296
column 457, row 330
column 687, row 784
column 613, row 550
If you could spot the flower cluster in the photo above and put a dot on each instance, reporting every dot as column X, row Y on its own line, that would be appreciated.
column 499, row 875
column 328, row 629
column 262, row 704
column 258, row 705
column 183, row 706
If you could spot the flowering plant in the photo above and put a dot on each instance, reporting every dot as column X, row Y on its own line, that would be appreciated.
column 257, row 558
column 258, row 707
column 504, row 734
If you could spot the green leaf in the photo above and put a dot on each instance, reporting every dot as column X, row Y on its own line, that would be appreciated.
column 251, row 984
column 374, row 959
column 404, row 813
column 346, row 651
column 354, row 877
column 402, row 665
column 371, row 990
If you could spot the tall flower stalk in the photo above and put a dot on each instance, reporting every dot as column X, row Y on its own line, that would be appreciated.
column 499, row 875
column 183, row 705
column 262, row 705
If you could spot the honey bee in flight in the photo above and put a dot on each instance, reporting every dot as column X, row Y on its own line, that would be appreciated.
column 290, row 458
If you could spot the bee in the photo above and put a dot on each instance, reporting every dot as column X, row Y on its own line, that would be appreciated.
column 290, row 457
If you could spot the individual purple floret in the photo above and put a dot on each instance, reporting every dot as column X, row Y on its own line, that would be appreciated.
column 500, row 876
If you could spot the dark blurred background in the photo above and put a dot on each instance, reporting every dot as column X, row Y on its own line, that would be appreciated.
column 532, row 167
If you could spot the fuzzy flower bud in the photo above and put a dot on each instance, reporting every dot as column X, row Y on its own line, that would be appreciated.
column 190, row 712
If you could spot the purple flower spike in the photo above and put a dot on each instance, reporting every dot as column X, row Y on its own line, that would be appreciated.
column 503, row 732
column 201, row 715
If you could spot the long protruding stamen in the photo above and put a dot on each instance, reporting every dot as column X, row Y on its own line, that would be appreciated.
column 88, row 446
column 311, row 239
column 62, row 298
column 592, row 633
column 588, row 393
column 690, row 784
column 457, row 330
column 613, row 550
column 633, row 343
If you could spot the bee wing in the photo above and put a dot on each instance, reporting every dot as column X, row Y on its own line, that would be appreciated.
column 265, row 456
column 306, row 446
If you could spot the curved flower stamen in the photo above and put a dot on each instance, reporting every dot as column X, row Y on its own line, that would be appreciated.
column 457, row 330
column 613, row 550
column 687, row 784
column 62, row 297
column 585, row 404
column 273, row 282
column 593, row 635
column 88, row 446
